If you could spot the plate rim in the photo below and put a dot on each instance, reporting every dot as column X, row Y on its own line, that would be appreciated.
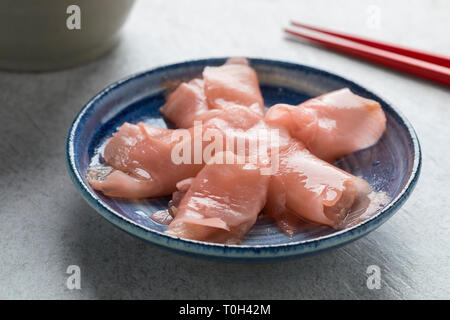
column 215, row 250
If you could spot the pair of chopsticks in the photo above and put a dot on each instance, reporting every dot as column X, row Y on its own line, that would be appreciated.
column 423, row 64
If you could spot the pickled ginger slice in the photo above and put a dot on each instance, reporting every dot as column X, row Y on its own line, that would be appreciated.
column 186, row 103
column 141, row 157
column 332, row 125
column 312, row 190
column 222, row 203
column 235, row 82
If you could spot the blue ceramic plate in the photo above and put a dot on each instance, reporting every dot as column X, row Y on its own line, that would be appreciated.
column 392, row 165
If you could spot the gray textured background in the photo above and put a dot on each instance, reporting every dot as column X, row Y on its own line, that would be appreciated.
column 45, row 225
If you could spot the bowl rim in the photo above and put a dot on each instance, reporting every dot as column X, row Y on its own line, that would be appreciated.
column 241, row 251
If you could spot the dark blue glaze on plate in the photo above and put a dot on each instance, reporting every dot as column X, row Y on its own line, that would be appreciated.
column 392, row 165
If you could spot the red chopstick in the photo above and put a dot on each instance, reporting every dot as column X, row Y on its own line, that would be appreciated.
column 417, row 54
column 425, row 65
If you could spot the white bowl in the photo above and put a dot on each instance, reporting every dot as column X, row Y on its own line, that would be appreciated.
column 34, row 35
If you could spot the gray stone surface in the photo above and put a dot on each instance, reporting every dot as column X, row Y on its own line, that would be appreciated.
column 45, row 225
